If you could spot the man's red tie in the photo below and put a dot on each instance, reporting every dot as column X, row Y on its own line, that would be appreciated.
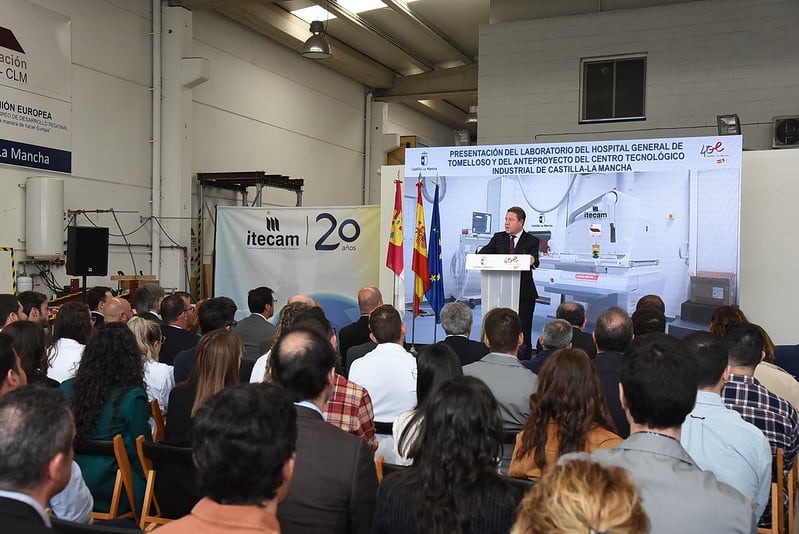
column 512, row 243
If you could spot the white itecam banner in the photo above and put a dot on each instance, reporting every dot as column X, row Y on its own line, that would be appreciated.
column 328, row 253
column 35, row 87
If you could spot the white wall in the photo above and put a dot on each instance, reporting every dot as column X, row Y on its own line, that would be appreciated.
column 769, row 255
column 703, row 59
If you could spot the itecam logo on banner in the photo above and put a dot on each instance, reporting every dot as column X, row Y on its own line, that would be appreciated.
column 35, row 87
column 328, row 253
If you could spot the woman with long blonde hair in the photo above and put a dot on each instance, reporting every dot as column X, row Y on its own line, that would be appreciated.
column 216, row 366
column 159, row 378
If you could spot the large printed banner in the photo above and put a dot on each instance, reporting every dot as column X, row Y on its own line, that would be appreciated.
column 328, row 253
column 616, row 220
column 35, row 87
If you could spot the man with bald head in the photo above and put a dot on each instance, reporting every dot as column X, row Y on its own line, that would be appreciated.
column 303, row 362
column 117, row 310
column 356, row 333
column 613, row 333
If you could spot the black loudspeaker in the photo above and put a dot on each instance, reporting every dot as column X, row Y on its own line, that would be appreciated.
column 87, row 251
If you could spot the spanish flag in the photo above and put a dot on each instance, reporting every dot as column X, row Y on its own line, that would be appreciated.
column 421, row 280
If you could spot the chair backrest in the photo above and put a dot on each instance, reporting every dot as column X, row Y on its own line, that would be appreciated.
column 777, row 487
column 160, row 429
column 116, row 449
column 175, row 480
column 123, row 462
column 379, row 461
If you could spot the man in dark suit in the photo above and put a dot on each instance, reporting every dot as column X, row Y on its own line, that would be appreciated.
column 574, row 313
column 556, row 335
column 147, row 302
column 613, row 333
column 335, row 482
column 217, row 312
column 36, row 453
column 96, row 298
column 177, row 313
column 514, row 240
column 254, row 329
column 456, row 320
column 357, row 333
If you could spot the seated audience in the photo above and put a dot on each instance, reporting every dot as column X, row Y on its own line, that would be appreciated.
column 452, row 485
column 34, row 305
column 288, row 314
column 389, row 371
column 29, row 340
column 658, row 390
column 96, row 298
column 71, row 331
column 117, row 310
column 613, row 333
column 648, row 320
column 744, row 393
column 775, row 378
column 456, row 320
column 177, row 314
column 574, row 313
column 216, row 366
column 216, row 313
column 567, row 414
column 10, row 310
column 159, row 378
column 147, row 301
column 335, row 481
column 717, row 438
column 36, row 432
column 724, row 316
column 435, row 365
column 581, row 497
column 651, row 301
column 509, row 382
column 74, row 502
column 256, row 327
column 357, row 333
column 349, row 406
column 244, row 441
column 108, row 398
column 556, row 335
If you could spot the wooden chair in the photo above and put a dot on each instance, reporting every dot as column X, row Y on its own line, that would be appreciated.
column 777, row 508
column 159, row 432
column 149, row 521
column 124, row 475
column 177, row 467
column 379, row 465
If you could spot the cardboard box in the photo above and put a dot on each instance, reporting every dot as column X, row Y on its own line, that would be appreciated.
column 715, row 288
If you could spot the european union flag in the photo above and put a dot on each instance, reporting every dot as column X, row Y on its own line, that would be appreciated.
column 435, row 295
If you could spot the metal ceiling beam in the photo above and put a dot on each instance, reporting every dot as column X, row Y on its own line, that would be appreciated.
column 461, row 81
column 442, row 111
column 355, row 19
column 403, row 9
column 275, row 23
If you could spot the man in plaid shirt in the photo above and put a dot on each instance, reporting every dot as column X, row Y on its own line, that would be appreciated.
column 774, row 416
column 349, row 406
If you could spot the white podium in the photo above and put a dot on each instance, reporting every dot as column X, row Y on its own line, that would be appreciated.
column 499, row 278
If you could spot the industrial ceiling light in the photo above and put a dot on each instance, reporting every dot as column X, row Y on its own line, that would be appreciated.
column 728, row 124
column 317, row 47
